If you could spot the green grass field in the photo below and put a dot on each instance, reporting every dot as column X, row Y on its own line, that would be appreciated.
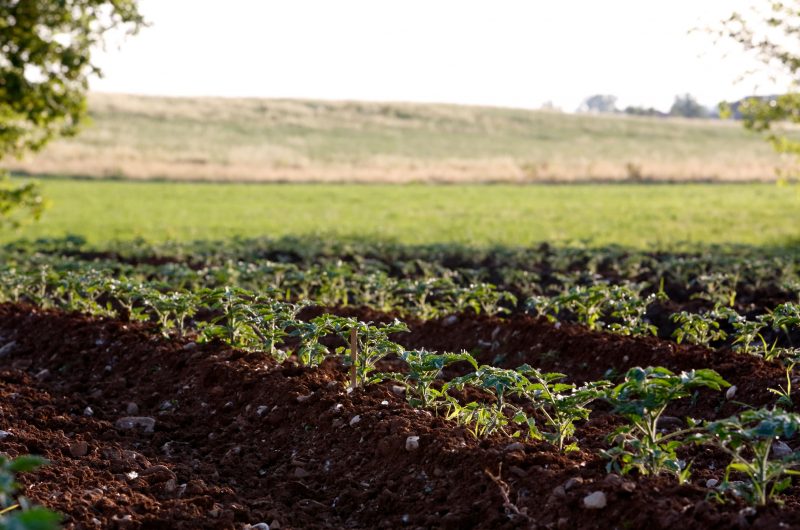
column 260, row 140
column 637, row 215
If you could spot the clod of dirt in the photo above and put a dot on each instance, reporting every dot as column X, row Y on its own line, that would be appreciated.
column 158, row 473
column 595, row 501
column 78, row 449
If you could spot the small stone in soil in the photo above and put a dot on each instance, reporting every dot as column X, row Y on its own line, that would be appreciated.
column 449, row 321
column 730, row 392
column 133, row 422
column 412, row 443
column 669, row 423
column 516, row 446
column 595, row 500
column 712, row 482
column 399, row 390
column 5, row 350
column 571, row 483
column 132, row 408
column 559, row 493
column 518, row 471
column 4, row 435
column 780, row 449
column 355, row 420
column 88, row 412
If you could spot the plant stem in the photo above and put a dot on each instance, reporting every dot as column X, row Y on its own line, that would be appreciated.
column 354, row 357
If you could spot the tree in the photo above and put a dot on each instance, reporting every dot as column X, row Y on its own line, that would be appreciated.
column 687, row 106
column 45, row 63
column 770, row 34
column 643, row 111
column 599, row 103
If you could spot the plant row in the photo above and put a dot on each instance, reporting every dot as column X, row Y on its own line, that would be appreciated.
column 524, row 402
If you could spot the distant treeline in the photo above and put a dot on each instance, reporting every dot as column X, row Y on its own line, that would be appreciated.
column 685, row 106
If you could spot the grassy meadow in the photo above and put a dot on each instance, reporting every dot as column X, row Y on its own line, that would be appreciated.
column 644, row 216
column 321, row 141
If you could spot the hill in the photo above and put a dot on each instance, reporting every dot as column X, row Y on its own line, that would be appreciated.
column 301, row 140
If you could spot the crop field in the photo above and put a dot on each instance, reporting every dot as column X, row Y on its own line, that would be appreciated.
column 266, row 140
column 316, row 383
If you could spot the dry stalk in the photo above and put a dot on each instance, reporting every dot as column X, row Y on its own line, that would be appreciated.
column 510, row 507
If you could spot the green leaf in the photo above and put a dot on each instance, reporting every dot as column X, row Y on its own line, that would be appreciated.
column 26, row 463
column 36, row 518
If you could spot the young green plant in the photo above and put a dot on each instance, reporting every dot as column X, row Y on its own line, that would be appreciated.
column 642, row 398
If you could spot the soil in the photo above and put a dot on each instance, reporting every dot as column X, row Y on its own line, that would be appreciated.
column 239, row 439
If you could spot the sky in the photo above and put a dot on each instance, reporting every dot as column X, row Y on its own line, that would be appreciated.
column 512, row 53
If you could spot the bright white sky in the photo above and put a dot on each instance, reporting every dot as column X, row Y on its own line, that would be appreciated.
column 517, row 53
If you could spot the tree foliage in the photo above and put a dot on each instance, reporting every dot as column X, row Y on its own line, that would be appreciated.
column 601, row 103
column 687, row 106
column 770, row 33
column 45, row 63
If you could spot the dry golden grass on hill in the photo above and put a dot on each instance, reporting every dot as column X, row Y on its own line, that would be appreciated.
column 292, row 140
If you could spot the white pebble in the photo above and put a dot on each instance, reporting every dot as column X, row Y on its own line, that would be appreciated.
column 412, row 443
column 355, row 420
column 730, row 392
column 595, row 500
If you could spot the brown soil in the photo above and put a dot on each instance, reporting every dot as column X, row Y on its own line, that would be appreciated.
column 239, row 439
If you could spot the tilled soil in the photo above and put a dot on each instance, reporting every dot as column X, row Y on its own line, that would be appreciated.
column 239, row 439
